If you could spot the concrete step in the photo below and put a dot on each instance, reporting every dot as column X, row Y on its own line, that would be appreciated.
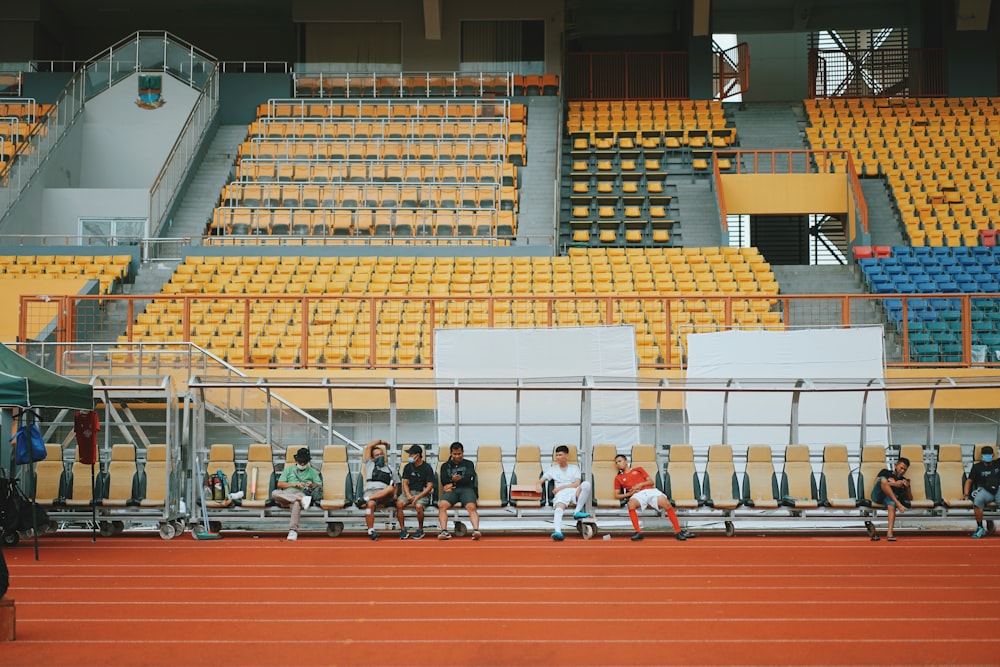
column 883, row 224
column 537, row 179
column 825, row 279
column 769, row 125
column 698, row 215
column 214, row 171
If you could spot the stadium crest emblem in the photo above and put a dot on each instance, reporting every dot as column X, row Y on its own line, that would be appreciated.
column 150, row 92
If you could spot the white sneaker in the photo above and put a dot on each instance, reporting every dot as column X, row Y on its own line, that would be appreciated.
column 292, row 536
column 236, row 495
column 306, row 501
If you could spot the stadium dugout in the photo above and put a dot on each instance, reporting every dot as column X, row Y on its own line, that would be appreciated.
column 276, row 236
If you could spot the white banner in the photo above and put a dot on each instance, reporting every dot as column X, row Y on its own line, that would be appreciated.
column 783, row 358
column 546, row 417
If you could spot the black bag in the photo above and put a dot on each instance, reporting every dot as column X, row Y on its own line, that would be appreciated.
column 16, row 510
column 10, row 507
column 383, row 476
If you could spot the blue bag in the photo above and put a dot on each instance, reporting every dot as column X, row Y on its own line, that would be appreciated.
column 30, row 446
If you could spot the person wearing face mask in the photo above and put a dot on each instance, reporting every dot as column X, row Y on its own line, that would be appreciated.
column 294, row 489
column 416, row 488
column 459, row 486
column 381, row 482
column 982, row 486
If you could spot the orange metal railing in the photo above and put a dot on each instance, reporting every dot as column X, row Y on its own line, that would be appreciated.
column 801, row 162
column 79, row 318
column 626, row 76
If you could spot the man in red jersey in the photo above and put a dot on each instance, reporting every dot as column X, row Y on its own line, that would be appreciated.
column 636, row 485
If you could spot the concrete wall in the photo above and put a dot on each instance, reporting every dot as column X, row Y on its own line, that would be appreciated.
column 106, row 163
column 419, row 53
column 779, row 66
column 125, row 145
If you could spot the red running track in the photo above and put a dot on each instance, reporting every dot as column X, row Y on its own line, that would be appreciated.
column 510, row 600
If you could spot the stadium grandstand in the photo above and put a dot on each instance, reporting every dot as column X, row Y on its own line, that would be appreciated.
column 751, row 245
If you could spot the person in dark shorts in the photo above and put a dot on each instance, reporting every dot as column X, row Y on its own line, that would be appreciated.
column 983, row 487
column 381, row 482
column 415, row 491
column 892, row 489
column 459, row 486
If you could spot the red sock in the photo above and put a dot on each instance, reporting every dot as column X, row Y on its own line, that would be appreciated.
column 632, row 514
column 672, row 515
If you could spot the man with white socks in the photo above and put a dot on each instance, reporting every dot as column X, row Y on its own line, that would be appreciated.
column 568, row 490
column 295, row 489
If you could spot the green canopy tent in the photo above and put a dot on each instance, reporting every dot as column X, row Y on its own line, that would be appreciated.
column 27, row 386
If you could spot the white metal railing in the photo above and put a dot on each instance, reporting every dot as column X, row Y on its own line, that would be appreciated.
column 142, row 52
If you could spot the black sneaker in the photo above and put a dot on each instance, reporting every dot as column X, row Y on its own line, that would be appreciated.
column 680, row 537
column 404, row 534
column 418, row 535
column 373, row 535
column 688, row 534
column 360, row 503
column 637, row 536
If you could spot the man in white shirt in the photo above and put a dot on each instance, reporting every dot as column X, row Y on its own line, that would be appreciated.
column 568, row 489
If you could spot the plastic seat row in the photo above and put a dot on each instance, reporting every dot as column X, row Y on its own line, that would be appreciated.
column 123, row 482
column 364, row 223
column 924, row 150
column 411, row 129
column 389, row 150
column 715, row 483
column 332, row 84
column 349, row 195
column 367, row 171
column 402, row 110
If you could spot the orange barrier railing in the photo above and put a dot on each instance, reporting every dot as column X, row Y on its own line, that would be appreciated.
column 321, row 339
column 730, row 71
column 800, row 162
column 626, row 76
column 877, row 73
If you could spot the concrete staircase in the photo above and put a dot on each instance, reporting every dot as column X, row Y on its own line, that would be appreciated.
column 766, row 126
column 883, row 225
column 202, row 193
column 828, row 279
column 537, row 179
column 699, row 215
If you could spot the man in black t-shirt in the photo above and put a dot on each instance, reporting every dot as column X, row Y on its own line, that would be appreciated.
column 459, row 486
column 982, row 486
column 892, row 489
column 417, row 486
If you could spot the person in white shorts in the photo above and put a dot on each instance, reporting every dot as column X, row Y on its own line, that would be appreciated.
column 568, row 489
column 635, row 485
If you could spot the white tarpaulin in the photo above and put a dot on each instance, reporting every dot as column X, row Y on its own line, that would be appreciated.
column 546, row 417
column 785, row 357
